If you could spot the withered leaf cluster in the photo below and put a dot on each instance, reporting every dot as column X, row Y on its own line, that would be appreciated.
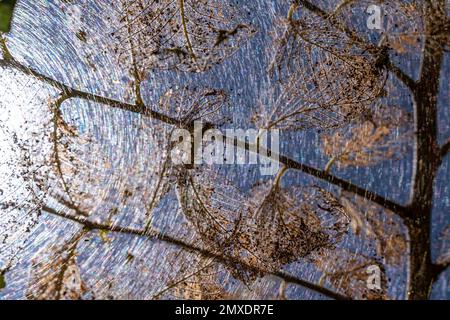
column 380, row 136
column 326, row 77
column 188, row 35
column 203, row 283
column 347, row 272
column 264, row 231
column 372, row 223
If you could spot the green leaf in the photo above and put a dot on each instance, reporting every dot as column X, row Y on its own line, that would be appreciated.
column 6, row 13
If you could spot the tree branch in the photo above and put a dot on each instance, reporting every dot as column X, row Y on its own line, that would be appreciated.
column 153, row 235
column 440, row 268
column 146, row 111
column 402, row 76
column 75, row 93
column 426, row 157
column 445, row 149
column 400, row 210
